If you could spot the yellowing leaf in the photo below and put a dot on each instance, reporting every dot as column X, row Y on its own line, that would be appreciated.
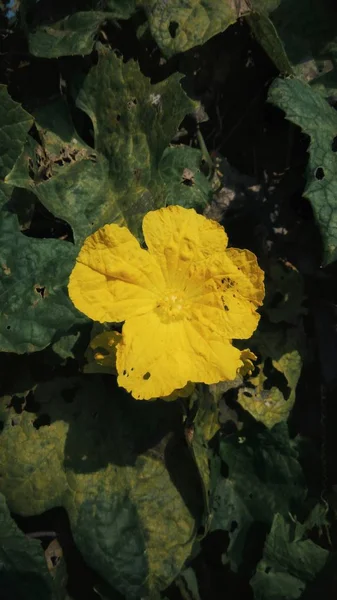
column 121, row 470
column 101, row 354
column 178, row 26
column 270, row 395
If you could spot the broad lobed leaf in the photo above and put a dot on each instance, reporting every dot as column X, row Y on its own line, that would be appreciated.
column 107, row 460
column 307, row 109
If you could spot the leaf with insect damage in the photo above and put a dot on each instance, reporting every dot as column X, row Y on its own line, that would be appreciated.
column 268, row 394
column 317, row 119
column 34, row 273
column 264, row 477
column 288, row 565
column 178, row 26
column 123, row 176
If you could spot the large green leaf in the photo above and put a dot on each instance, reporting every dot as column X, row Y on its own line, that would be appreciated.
column 14, row 125
column 307, row 109
column 126, row 174
column 287, row 565
column 126, row 479
column 178, row 26
column 133, row 120
column 24, row 573
column 264, row 477
column 33, row 279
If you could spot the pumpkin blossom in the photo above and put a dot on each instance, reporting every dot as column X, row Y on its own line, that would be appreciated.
column 183, row 300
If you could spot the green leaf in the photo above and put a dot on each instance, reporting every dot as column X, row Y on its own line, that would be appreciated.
column 178, row 26
column 265, row 32
column 75, row 33
column 24, row 573
column 199, row 432
column 33, row 279
column 307, row 109
column 119, row 181
column 287, row 564
column 264, row 477
column 14, row 125
column 126, row 479
column 301, row 40
column 182, row 179
column 270, row 392
column 133, row 120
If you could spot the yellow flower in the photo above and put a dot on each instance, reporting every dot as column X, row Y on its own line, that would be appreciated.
column 183, row 300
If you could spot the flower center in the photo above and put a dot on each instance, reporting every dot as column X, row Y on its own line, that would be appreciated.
column 171, row 305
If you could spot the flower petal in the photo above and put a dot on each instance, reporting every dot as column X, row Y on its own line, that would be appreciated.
column 227, row 292
column 251, row 282
column 179, row 351
column 247, row 357
column 178, row 236
column 114, row 278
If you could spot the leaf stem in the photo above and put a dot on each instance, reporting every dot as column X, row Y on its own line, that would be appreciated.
column 205, row 154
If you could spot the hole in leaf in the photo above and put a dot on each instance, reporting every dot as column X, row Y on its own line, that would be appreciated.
column 118, row 118
column 173, row 28
column 267, row 570
column 276, row 300
column 233, row 527
column 275, row 379
column 226, row 307
column 42, row 421
column 45, row 225
column 124, row 372
column 334, row 144
column 248, row 394
column 40, row 290
column 17, row 403
column 55, row 560
column 69, row 395
column 147, row 376
column 319, row 173
column 131, row 103
column 13, row 423
column 8, row 327
column 2, row 425
column 188, row 182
